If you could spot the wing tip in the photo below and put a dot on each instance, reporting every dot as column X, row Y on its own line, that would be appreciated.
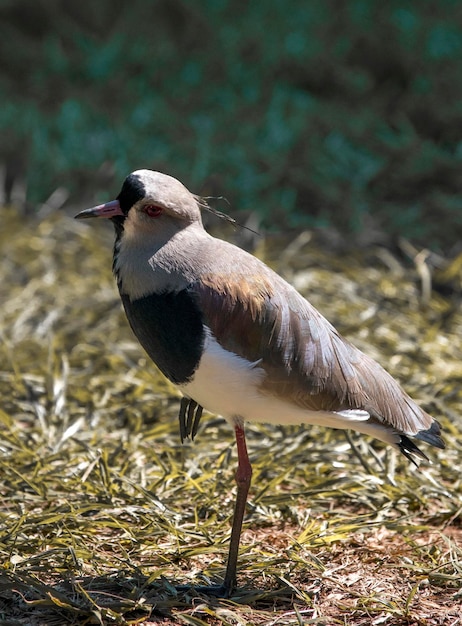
column 432, row 436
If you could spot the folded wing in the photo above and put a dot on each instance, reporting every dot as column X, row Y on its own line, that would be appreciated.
column 307, row 362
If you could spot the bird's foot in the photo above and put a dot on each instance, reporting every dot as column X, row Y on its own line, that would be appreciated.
column 216, row 591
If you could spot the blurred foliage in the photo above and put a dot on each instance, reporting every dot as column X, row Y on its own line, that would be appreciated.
column 340, row 113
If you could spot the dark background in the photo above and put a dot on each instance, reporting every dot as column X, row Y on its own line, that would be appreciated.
column 309, row 113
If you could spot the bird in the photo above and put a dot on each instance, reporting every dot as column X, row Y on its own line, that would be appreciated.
column 238, row 340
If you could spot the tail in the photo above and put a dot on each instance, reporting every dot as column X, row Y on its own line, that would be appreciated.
column 432, row 436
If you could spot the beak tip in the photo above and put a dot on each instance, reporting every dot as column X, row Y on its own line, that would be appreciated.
column 84, row 215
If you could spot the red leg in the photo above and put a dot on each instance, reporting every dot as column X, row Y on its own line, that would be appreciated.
column 243, row 478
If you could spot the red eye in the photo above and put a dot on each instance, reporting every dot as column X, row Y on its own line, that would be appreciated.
column 152, row 210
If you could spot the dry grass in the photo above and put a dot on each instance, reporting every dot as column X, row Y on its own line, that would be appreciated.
column 103, row 511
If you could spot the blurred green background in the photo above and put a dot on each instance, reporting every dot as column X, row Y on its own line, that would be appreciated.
column 346, row 114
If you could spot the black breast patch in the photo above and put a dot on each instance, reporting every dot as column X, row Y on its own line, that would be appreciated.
column 169, row 327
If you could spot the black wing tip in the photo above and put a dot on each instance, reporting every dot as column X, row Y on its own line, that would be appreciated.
column 432, row 436
column 189, row 417
column 410, row 450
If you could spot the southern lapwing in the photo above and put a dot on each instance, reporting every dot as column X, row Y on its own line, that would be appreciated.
column 238, row 340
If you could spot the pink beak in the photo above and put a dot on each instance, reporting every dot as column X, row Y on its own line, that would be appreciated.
column 110, row 209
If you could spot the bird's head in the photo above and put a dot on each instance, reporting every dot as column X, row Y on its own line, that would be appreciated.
column 149, row 201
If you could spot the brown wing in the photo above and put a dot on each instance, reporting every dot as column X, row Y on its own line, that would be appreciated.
column 262, row 318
